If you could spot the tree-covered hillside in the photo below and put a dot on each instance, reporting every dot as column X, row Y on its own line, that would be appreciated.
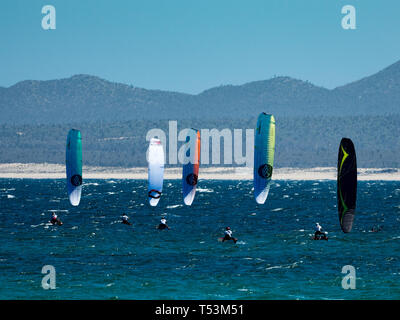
column 91, row 99
column 300, row 142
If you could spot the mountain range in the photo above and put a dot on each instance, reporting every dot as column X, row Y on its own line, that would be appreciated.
column 115, row 118
column 85, row 98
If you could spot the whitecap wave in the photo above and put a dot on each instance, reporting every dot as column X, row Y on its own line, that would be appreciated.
column 204, row 190
column 175, row 206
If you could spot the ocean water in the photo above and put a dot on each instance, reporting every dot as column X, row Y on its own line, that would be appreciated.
column 97, row 257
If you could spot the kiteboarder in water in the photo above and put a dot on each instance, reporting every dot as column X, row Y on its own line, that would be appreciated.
column 319, row 234
column 163, row 224
column 125, row 219
column 228, row 235
column 376, row 229
column 55, row 220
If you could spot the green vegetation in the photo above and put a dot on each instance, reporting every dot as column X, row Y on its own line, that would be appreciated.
column 300, row 142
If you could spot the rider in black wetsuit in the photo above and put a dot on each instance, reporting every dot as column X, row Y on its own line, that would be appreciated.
column 319, row 234
column 163, row 224
column 54, row 219
column 125, row 219
column 376, row 229
column 228, row 235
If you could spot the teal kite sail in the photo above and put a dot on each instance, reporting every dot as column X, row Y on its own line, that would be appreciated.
column 74, row 166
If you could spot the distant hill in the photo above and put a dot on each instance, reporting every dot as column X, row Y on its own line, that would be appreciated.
column 379, row 93
column 280, row 96
column 84, row 98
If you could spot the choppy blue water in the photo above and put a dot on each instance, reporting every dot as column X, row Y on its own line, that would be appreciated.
column 96, row 257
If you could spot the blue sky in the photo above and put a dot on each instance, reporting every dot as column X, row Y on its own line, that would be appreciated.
column 190, row 46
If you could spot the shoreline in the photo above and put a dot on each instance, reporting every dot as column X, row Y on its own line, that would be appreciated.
column 57, row 171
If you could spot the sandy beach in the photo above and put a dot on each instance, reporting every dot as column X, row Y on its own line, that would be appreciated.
column 57, row 171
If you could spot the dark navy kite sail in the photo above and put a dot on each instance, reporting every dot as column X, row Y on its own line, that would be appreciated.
column 190, row 172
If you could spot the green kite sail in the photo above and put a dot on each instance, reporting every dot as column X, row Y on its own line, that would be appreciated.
column 264, row 151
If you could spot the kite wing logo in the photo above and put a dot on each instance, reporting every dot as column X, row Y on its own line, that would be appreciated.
column 191, row 179
column 265, row 171
column 76, row 180
column 154, row 194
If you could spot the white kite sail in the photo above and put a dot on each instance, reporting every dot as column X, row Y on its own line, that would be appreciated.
column 156, row 171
